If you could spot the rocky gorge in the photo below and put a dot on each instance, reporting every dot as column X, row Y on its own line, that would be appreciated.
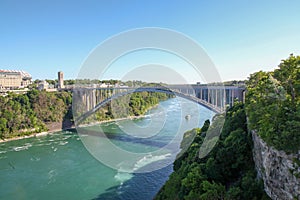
column 280, row 171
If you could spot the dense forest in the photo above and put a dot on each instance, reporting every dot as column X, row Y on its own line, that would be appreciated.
column 24, row 114
column 227, row 172
column 273, row 105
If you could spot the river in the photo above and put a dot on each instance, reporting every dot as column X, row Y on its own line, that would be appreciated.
column 58, row 166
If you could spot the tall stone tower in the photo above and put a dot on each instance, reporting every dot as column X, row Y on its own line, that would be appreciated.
column 60, row 80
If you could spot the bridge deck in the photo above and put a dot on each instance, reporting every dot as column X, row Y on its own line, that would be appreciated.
column 127, row 90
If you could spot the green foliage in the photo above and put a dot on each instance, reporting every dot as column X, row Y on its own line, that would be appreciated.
column 273, row 105
column 21, row 114
column 135, row 104
column 69, row 82
column 226, row 173
column 52, row 82
column 212, row 191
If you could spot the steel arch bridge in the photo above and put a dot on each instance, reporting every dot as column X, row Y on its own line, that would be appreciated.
column 88, row 94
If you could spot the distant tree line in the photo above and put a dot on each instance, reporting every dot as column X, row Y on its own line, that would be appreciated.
column 134, row 83
column 135, row 104
column 129, row 83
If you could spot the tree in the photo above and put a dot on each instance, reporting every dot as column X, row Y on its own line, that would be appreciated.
column 3, row 127
column 273, row 105
column 212, row 191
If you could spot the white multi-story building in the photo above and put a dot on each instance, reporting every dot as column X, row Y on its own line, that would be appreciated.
column 13, row 79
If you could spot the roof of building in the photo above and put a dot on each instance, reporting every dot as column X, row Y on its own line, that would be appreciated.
column 23, row 73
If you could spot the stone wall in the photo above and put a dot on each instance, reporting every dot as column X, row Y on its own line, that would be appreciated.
column 280, row 172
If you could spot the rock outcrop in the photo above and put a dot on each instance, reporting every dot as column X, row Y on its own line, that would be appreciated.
column 279, row 171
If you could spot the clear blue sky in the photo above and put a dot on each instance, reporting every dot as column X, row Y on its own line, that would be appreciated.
column 241, row 37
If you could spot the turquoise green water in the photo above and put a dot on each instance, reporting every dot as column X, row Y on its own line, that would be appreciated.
column 58, row 166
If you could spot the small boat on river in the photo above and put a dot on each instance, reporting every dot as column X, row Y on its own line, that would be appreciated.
column 187, row 117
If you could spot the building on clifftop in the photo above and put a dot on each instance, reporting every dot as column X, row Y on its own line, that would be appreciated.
column 14, row 79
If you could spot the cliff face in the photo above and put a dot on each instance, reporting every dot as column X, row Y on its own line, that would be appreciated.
column 280, row 172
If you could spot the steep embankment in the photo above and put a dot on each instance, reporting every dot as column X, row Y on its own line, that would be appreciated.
column 24, row 114
column 227, row 172
column 273, row 111
column 280, row 171
column 271, row 141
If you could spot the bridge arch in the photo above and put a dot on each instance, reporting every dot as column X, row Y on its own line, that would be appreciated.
column 204, row 103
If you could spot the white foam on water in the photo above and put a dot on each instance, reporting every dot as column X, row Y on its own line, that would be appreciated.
column 35, row 159
column 51, row 176
column 148, row 159
column 20, row 148
column 63, row 143
column 66, row 137
column 43, row 144
column 2, row 157
column 68, row 132
column 84, row 135
column 123, row 176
